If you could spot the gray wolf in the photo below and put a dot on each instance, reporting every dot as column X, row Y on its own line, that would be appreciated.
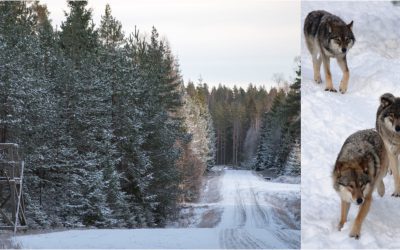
column 388, row 126
column 359, row 169
column 328, row 36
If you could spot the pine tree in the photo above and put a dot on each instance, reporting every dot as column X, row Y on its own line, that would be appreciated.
column 165, row 124
column 87, row 117
column 112, row 60
column 110, row 30
column 78, row 36
column 293, row 162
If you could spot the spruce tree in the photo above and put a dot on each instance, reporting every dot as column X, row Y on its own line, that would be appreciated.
column 78, row 37
column 88, row 118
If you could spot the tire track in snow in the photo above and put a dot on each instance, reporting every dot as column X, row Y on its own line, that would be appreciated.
column 248, row 219
column 237, row 238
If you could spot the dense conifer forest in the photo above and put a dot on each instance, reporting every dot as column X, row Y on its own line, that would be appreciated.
column 278, row 148
column 110, row 134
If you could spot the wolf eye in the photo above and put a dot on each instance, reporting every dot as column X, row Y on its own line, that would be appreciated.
column 351, row 186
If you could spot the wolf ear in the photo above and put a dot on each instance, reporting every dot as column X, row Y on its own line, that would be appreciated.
column 350, row 25
column 387, row 99
column 338, row 168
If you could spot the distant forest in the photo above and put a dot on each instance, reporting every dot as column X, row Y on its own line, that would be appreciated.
column 236, row 115
column 110, row 135
column 255, row 128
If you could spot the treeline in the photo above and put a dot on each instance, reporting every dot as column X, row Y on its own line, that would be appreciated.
column 278, row 150
column 236, row 114
column 109, row 136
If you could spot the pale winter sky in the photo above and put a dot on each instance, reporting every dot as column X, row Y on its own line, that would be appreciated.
column 223, row 41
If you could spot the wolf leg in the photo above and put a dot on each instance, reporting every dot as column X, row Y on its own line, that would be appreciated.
column 346, row 74
column 362, row 213
column 395, row 170
column 328, row 75
column 311, row 45
column 343, row 216
column 317, row 60
column 381, row 188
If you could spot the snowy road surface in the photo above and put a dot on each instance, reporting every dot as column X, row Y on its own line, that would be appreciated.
column 329, row 118
column 247, row 212
column 249, row 220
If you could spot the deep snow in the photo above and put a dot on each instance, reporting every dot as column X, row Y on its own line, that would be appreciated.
column 247, row 212
column 329, row 118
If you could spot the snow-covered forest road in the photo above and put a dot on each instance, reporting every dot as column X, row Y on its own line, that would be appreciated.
column 253, row 212
column 237, row 209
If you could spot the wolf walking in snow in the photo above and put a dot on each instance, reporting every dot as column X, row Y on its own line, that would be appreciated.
column 359, row 169
column 328, row 36
column 388, row 126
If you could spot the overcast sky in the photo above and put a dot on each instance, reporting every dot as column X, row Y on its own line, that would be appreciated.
column 223, row 41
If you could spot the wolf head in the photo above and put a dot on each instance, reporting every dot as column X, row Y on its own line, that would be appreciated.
column 352, row 181
column 388, row 115
column 341, row 37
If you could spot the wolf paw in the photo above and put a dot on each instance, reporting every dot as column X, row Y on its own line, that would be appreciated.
column 355, row 233
column 340, row 226
column 342, row 87
column 396, row 194
column 381, row 189
column 331, row 89
column 318, row 80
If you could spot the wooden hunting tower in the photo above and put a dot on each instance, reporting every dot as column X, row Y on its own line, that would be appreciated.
column 12, row 209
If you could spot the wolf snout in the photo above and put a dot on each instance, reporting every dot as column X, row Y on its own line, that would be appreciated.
column 397, row 128
column 344, row 50
column 359, row 201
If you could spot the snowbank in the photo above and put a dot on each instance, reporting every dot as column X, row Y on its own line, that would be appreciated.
column 124, row 239
column 329, row 118
column 288, row 179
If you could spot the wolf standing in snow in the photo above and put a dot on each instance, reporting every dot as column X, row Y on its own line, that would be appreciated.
column 388, row 126
column 359, row 169
column 328, row 36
